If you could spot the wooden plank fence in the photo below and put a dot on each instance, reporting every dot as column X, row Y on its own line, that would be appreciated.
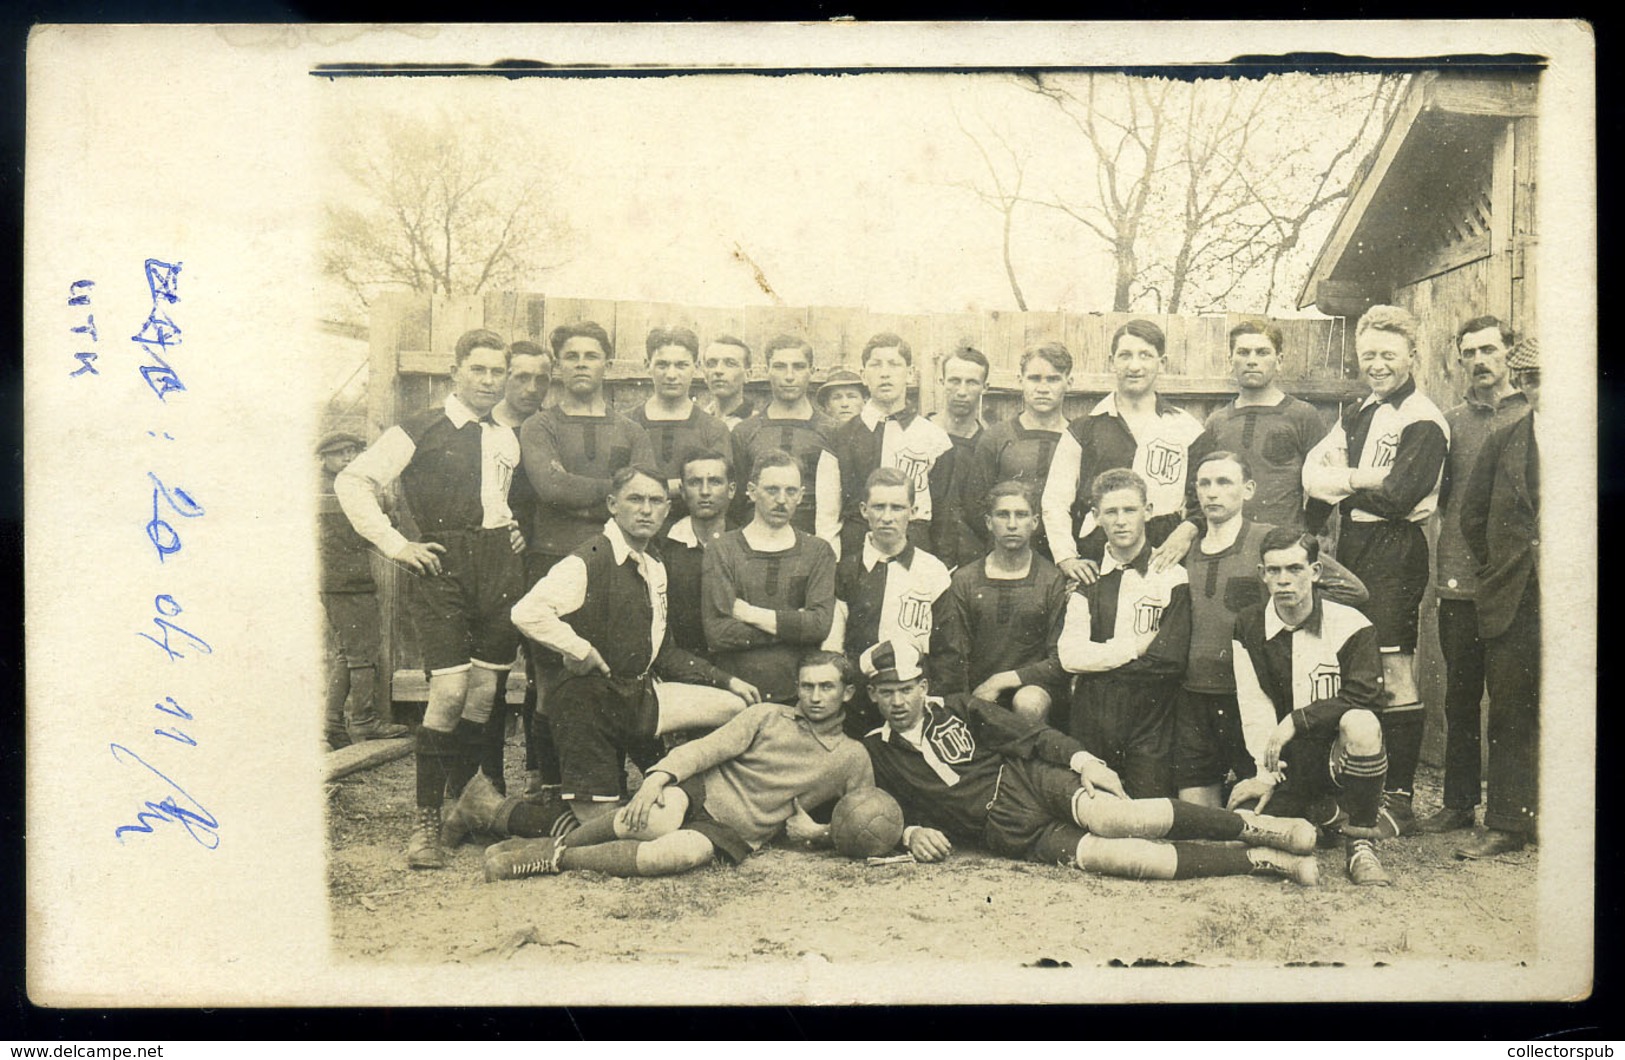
column 412, row 337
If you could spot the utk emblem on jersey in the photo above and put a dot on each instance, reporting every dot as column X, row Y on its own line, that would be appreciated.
column 1164, row 462
column 1325, row 681
column 1382, row 453
column 1147, row 614
column 916, row 467
column 951, row 740
column 914, row 614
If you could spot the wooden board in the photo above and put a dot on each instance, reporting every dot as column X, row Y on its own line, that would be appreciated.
column 366, row 755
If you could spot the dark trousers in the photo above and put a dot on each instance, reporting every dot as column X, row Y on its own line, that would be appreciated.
column 1130, row 726
column 1512, row 669
column 1464, row 694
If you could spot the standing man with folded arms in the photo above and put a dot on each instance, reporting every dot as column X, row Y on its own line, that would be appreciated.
column 1383, row 462
column 769, row 588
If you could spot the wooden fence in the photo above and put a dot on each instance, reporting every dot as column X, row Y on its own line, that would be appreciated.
column 412, row 337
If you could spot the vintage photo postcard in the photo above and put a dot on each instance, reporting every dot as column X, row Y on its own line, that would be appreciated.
column 827, row 514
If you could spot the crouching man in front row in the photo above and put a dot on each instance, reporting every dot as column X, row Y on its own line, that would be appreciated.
column 1308, row 680
column 722, row 795
column 966, row 770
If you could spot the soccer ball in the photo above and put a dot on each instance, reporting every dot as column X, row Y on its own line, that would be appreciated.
column 866, row 823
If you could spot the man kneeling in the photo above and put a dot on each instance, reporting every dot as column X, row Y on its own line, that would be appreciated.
column 970, row 771
column 724, row 794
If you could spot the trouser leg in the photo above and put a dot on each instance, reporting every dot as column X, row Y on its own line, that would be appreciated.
column 1513, row 672
column 1464, row 694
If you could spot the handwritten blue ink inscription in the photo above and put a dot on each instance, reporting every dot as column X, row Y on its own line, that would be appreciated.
column 160, row 531
column 167, row 609
column 199, row 823
column 86, row 358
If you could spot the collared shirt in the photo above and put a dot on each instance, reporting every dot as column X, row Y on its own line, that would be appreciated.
column 1314, row 672
column 428, row 451
column 1472, row 421
column 885, row 597
column 1404, row 433
column 1114, row 621
column 1100, row 441
column 540, row 614
column 910, row 443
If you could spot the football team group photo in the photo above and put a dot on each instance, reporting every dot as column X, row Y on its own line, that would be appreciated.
column 1217, row 601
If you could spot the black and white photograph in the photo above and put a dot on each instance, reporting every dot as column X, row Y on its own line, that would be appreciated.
column 871, row 526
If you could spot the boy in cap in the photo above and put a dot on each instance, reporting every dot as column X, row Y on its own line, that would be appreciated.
column 842, row 395
column 350, row 600
column 965, row 770
column 1500, row 518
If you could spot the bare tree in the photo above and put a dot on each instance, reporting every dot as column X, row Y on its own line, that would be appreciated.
column 1005, row 195
column 438, row 206
column 1123, row 122
column 1202, row 189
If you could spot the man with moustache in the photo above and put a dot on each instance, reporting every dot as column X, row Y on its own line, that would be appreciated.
column 1490, row 403
column 769, row 588
column 1500, row 518
column 455, row 465
column 1383, row 463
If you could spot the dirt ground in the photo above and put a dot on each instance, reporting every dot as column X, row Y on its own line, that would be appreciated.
column 785, row 904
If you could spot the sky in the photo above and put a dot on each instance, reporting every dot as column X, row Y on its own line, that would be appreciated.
column 841, row 188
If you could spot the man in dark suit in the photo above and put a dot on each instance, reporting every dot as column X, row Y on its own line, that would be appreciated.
column 1500, row 518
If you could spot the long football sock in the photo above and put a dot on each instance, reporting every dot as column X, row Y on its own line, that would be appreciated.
column 600, row 829
column 532, row 819
column 618, row 858
column 1203, row 822
column 431, row 756
column 1207, row 859
column 469, row 743
column 496, row 737
column 1402, row 736
column 1362, row 788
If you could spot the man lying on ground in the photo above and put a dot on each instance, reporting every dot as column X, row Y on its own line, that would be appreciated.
column 725, row 794
column 965, row 770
